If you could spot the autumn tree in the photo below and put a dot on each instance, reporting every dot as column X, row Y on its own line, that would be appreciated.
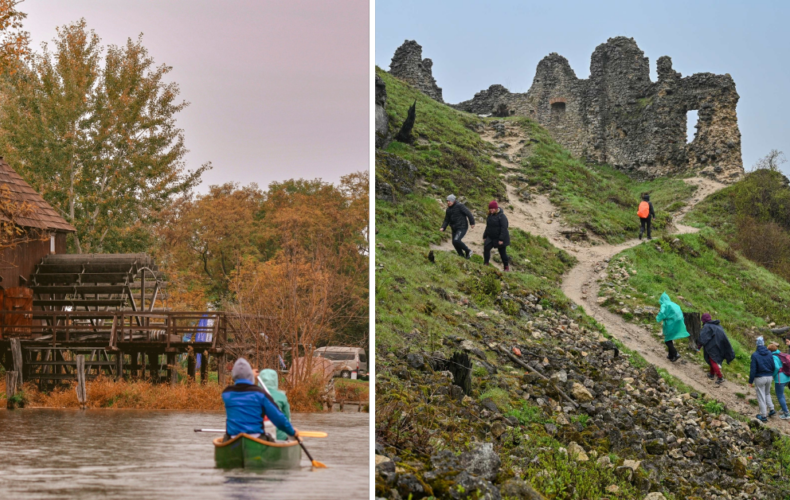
column 94, row 132
column 204, row 237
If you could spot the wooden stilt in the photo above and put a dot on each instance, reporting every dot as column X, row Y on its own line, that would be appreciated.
column 16, row 353
column 10, row 388
column 172, row 369
column 118, row 365
column 82, row 393
column 191, row 367
column 135, row 365
column 203, row 368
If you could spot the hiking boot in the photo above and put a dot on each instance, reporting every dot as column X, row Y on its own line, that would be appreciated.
column 468, row 255
column 507, row 269
column 761, row 418
column 719, row 381
column 710, row 376
column 771, row 413
column 785, row 416
column 675, row 358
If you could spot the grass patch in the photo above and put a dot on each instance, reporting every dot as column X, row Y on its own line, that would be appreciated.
column 598, row 197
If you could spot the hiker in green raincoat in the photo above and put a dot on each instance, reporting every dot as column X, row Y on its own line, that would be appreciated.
column 674, row 326
column 270, row 378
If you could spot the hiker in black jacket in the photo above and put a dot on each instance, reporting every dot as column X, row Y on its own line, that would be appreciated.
column 496, row 235
column 716, row 346
column 456, row 216
column 646, row 215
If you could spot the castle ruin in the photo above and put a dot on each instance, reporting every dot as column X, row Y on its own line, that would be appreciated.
column 618, row 116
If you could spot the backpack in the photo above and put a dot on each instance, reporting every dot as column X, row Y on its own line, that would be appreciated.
column 644, row 210
column 785, row 359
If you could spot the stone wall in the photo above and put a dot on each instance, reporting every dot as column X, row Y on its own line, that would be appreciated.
column 620, row 117
column 382, row 120
column 408, row 65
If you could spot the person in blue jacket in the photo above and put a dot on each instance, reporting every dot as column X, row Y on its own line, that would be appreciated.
column 761, row 374
column 246, row 405
column 780, row 381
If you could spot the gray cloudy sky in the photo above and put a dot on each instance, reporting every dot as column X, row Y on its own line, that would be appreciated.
column 278, row 90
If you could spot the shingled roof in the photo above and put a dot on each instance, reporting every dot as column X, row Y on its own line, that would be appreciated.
column 42, row 215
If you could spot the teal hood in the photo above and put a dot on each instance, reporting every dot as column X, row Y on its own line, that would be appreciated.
column 672, row 316
column 270, row 378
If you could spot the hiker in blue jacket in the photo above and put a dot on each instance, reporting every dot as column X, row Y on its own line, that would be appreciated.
column 246, row 405
column 780, row 380
column 761, row 375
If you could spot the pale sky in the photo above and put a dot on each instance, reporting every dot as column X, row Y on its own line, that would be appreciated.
column 475, row 44
column 278, row 89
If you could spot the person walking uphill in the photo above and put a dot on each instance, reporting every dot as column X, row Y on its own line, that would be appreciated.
column 496, row 235
column 674, row 326
column 646, row 215
column 456, row 216
column 761, row 374
column 716, row 346
column 781, row 377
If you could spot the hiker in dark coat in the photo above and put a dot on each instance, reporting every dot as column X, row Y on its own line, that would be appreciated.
column 646, row 215
column 456, row 216
column 496, row 235
column 716, row 346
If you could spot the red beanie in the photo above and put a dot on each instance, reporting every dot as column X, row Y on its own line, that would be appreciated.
column 493, row 205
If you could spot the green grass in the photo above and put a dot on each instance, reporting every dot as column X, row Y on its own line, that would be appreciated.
column 740, row 294
column 449, row 154
column 597, row 197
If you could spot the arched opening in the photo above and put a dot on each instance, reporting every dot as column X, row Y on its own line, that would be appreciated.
column 692, row 120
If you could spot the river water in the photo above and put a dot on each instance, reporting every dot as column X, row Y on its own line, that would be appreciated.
column 141, row 454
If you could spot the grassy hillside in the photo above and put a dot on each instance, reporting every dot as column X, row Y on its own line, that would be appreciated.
column 578, row 434
column 598, row 197
column 710, row 277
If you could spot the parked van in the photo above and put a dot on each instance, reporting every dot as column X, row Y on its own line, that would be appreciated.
column 346, row 360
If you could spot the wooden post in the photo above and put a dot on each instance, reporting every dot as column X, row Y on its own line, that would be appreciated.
column 203, row 369
column 135, row 365
column 118, row 365
column 10, row 388
column 172, row 368
column 221, row 361
column 191, row 366
column 82, row 393
column 153, row 366
column 16, row 353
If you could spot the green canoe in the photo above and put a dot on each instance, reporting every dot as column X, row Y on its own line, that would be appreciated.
column 247, row 451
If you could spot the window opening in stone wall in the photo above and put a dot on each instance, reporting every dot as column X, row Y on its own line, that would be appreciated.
column 691, row 125
column 558, row 107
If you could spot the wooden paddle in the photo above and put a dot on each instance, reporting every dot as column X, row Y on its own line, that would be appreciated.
column 316, row 463
column 310, row 434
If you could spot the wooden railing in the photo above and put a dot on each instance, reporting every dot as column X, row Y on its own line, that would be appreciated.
column 116, row 327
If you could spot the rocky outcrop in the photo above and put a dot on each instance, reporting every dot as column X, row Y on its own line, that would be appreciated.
column 394, row 176
column 619, row 117
column 628, row 420
column 408, row 65
column 382, row 119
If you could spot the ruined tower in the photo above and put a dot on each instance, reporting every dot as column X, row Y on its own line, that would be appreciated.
column 408, row 64
column 618, row 115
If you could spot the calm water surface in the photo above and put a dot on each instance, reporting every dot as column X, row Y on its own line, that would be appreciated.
column 140, row 454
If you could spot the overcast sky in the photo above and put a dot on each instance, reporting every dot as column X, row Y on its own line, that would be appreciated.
column 475, row 44
column 278, row 89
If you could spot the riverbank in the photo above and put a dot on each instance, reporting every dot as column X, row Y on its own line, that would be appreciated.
column 144, row 395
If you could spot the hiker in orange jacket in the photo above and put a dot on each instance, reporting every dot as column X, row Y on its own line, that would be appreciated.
column 646, row 215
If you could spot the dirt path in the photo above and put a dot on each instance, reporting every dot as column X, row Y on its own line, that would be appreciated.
column 539, row 217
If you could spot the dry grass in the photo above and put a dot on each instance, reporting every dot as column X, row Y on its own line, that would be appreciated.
column 108, row 393
column 351, row 390
column 306, row 397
